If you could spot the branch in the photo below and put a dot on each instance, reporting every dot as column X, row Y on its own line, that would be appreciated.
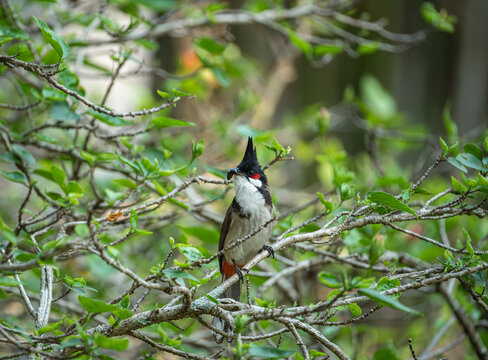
column 166, row 348
column 268, row 18
column 19, row 107
column 466, row 324
column 11, row 61
column 46, row 297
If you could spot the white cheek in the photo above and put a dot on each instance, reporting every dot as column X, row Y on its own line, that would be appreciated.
column 256, row 182
column 243, row 186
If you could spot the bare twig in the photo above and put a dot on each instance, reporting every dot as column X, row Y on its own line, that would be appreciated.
column 466, row 324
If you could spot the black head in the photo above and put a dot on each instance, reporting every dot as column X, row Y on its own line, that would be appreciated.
column 249, row 165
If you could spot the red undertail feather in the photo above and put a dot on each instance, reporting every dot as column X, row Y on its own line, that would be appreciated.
column 229, row 269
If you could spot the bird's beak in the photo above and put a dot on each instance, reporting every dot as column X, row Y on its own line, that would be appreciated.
column 232, row 172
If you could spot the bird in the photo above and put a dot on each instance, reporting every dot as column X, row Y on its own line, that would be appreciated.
column 251, row 209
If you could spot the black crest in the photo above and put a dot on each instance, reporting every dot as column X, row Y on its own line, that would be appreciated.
column 250, row 164
column 250, row 159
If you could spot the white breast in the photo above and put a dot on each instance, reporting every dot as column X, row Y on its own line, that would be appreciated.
column 256, row 213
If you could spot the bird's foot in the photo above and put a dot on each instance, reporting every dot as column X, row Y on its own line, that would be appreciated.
column 238, row 271
column 269, row 249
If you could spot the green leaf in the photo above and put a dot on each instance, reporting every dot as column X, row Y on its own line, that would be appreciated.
column 109, row 23
column 369, row 47
column 143, row 232
column 450, row 125
column 376, row 99
column 45, row 138
column 320, row 50
column 113, row 252
column 197, row 148
column 53, row 95
column 96, row 306
column 276, row 147
column 422, row 191
column 346, row 191
column 469, row 247
column 309, row 228
column 210, row 235
column 210, row 45
column 178, row 274
column 109, row 120
column 15, row 176
column 89, row 158
column 72, row 187
column 445, row 148
column 240, row 322
column 128, row 162
column 355, row 309
column 53, row 39
column 125, row 302
column 455, row 162
column 300, row 43
column 164, row 122
column 189, row 252
column 134, row 220
column 123, row 314
column 8, row 33
column 6, row 281
column 448, row 256
column 474, row 150
column 164, row 173
column 212, row 299
column 165, row 339
column 7, row 232
column 117, row 344
column 361, row 282
column 330, row 280
column 44, row 173
column 61, row 111
column 264, row 303
column 485, row 143
column 440, row 20
column 329, row 206
column 388, row 200
column 268, row 352
column 51, row 327
column 387, row 301
column 458, row 186
column 58, row 174
column 385, row 284
column 177, row 92
column 483, row 181
column 386, row 354
column 164, row 94
column 69, row 79
column 127, row 183
column 217, row 172
column 471, row 161
column 221, row 76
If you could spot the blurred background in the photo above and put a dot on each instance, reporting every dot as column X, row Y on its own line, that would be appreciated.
column 270, row 84
column 361, row 101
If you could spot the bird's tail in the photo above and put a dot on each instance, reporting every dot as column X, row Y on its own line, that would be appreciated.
column 233, row 292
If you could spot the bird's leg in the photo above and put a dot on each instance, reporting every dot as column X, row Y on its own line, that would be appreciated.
column 269, row 249
column 238, row 271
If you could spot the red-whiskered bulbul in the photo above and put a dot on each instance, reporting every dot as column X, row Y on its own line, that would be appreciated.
column 251, row 209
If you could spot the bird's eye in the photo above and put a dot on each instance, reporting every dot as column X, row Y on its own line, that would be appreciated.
column 255, row 176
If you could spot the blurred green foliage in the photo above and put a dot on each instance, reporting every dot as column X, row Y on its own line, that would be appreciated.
column 78, row 182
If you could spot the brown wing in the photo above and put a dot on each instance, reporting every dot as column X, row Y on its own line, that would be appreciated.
column 224, row 230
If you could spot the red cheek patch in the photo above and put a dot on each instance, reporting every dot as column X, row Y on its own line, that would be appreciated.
column 256, row 176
